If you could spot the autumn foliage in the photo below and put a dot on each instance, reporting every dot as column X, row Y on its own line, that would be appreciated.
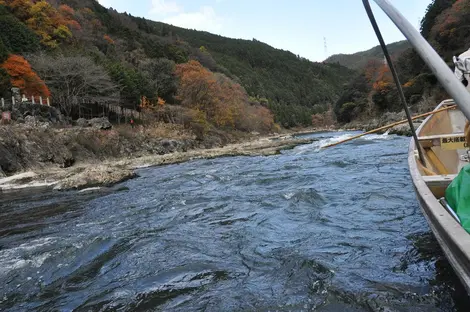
column 384, row 80
column 224, row 102
column 22, row 76
column 50, row 24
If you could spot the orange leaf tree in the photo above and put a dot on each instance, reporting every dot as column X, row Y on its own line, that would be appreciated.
column 22, row 76
column 51, row 24
column 224, row 101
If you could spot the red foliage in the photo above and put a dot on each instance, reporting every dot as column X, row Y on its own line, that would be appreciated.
column 22, row 76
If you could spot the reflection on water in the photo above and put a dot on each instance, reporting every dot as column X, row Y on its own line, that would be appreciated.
column 309, row 229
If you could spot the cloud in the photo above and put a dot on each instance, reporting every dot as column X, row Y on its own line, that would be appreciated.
column 106, row 3
column 204, row 19
column 163, row 7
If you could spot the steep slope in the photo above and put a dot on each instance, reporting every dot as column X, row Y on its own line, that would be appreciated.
column 133, row 49
column 359, row 60
column 446, row 26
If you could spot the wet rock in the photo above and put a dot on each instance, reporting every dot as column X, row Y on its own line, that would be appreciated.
column 101, row 123
column 82, row 122
column 95, row 176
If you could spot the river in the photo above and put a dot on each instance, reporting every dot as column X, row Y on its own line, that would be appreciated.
column 308, row 229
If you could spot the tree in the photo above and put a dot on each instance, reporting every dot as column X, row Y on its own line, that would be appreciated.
column 74, row 77
column 224, row 102
column 16, row 37
column 432, row 12
column 23, row 77
column 50, row 24
column 161, row 75
column 5, row 84
column 132, row 83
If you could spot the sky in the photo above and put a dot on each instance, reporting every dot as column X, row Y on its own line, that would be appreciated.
column 300, row 26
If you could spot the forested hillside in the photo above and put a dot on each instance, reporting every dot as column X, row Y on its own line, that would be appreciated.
column 359, row 60
column 141, row 64
column 446, row 26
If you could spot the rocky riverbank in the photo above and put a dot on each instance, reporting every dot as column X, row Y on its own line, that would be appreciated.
column 80, row 158
column 386, row 119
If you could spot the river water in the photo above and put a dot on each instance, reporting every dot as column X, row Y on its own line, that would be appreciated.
column 306, row 230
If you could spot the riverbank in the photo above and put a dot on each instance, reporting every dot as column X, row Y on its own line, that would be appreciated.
column 93, row 171
column 386, row 119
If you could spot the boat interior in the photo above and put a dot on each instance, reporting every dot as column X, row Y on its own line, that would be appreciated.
column 443, row 141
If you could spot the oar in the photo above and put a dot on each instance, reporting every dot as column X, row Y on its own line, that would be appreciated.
column 391, row 125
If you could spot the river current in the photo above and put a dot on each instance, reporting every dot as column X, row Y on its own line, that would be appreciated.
column 306, row 230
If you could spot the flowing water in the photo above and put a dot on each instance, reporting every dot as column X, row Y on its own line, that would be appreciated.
column 309, row 229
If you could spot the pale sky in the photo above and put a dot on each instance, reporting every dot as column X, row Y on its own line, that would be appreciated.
column 299, row 26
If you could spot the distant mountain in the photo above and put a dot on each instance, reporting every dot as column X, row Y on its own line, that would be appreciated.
column 359, row 60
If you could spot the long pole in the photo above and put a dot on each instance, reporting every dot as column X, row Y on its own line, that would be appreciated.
column 395, row 76
column 391, row 125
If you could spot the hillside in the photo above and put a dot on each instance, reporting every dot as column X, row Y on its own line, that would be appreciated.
column 359, row 60
column 140, row 58
column 373, row 93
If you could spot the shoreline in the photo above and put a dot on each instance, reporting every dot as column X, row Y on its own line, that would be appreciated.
column 107, row 173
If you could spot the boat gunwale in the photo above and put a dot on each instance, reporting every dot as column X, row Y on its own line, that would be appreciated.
column 452, row 237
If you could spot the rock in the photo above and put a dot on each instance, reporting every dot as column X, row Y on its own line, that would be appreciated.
column 30, row 120
column 82, row 122
column 21, row 178
column 9, row 160
column 44, row 125
column 95, row 176
column 391, row 117
column 2, row 174
column 101, row 123
column 404, row 129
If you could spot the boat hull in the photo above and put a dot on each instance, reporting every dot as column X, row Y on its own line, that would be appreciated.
column 453, row 239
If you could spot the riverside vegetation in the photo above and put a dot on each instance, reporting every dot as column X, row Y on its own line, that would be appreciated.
column 209, row 90
column 190, row 88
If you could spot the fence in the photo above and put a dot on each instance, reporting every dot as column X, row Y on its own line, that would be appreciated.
column 83, row 108
column 33, row 99
column 89, row 109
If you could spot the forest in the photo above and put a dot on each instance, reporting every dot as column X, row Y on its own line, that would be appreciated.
column 372, row 92
column 69, row 49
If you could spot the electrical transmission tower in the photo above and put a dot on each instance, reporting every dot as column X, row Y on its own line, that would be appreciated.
column 326, row 48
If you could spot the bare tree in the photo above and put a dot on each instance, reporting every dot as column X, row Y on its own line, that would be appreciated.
column 74, row 77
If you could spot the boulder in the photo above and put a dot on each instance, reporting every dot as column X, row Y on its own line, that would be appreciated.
column 9, row 160
column 96, row 176
column 101, row 123
column 82, row 122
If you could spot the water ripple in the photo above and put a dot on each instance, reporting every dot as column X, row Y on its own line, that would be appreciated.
column 309, row 229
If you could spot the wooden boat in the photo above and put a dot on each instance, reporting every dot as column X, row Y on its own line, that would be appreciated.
column 441, row 137
column 438, row 150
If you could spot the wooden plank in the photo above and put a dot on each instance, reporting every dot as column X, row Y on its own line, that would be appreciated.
column 439, row 180
column 436, row 162
column 438, row 140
